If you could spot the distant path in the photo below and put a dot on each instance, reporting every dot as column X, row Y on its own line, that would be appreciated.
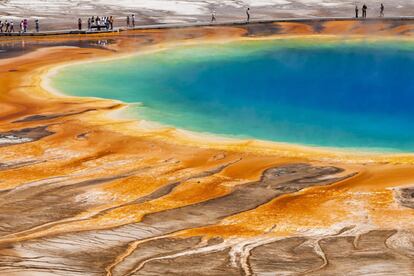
column 208, row 24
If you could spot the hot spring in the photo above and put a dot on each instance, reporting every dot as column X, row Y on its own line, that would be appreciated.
column 344, row 94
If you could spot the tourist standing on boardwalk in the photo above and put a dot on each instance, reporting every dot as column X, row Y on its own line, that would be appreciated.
column 21, row 26
column 89, row 24
column 106, row 22
column 128, row 24
column 80, row 24
column 6, row 23
column 11, row 29
column 382, row 8
column 25, row 25
column 364, row 11
column 213, row 16
column 248, row 15
column 356, row 12
column 111, row 22
column 37, row 25
column 133, row 20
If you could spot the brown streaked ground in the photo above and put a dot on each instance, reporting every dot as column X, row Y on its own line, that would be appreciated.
column 85, row 194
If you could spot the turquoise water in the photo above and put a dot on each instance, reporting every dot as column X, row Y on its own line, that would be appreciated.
column 337, row 94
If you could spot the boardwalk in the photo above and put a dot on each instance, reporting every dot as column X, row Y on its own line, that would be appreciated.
column 208, row 24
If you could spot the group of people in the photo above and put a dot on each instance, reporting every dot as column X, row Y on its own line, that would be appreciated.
column 364, row 11
column 96, row 22
column 107, row 22
column 130, row 21
column 7, row 26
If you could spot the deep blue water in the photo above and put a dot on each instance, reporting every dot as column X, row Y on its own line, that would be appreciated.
column 337, row 94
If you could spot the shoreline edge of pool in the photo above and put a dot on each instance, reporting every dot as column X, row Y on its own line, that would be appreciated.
column 74, row 77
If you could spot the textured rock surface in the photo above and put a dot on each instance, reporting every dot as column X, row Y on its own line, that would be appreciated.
column 81, row 194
